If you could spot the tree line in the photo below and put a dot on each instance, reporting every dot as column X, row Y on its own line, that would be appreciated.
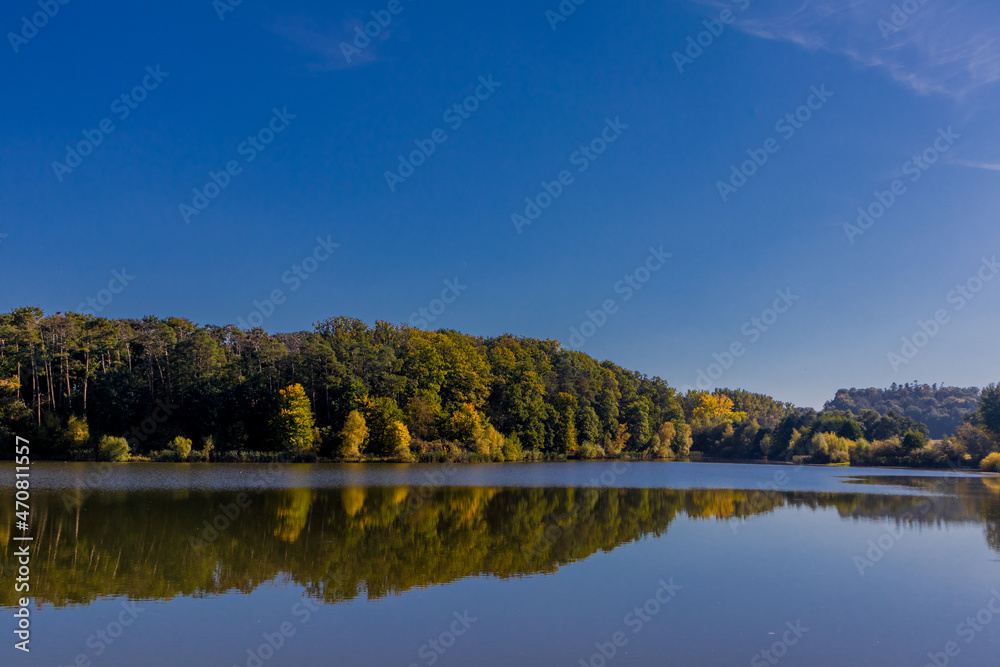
column 84, row 387
column 943, row 409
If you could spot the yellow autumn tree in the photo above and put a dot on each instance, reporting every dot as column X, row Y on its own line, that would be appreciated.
column 465, row 425
column 293, row 514
column 399, row 438
column 11, row 406
column 659, row 447
column 293, row 426
column 617, row 442
column 353, row 499
column 353, row 435
column 716, row 408
column 490, row 443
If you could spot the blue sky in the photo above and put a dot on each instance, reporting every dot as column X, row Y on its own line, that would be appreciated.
column 640, row 136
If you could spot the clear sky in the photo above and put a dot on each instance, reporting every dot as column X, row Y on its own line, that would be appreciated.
column 619, row 118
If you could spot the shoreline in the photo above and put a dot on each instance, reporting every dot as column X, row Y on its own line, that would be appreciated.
column 375, row 463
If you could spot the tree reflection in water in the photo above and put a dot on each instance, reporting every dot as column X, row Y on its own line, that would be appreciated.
column 340, row 543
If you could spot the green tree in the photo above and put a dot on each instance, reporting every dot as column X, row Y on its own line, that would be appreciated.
column 973, row 439
column 381, row 416
column 588, row 425
column 564, row 429
column 914, row 440
column 763, row 409
column 683, row 441
column 942, row 409
column 830, row 448
column 422, row 412
column 637, row 421
column 607, row 403
column 512, row 448
column 989, row 409
column 851, row 430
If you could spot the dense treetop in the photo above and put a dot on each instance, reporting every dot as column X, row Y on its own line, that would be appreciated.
column 941, row 408
column 153, row 379
column 83, row 387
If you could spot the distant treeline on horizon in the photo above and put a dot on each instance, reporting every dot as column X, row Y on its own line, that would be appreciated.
column 84, row 387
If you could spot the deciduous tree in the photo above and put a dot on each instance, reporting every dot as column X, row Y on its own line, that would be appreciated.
column 294, row 423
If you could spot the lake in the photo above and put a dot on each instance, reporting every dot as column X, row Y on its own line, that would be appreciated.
column 517, row 564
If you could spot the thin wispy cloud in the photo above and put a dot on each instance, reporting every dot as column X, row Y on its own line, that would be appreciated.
column 948, row 48
column 974, row 164
column 322, row 44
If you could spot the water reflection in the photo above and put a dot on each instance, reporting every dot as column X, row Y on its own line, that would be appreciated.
column 377, row 541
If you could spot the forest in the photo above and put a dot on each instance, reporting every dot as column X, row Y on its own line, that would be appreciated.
column 941, row 408
column 83, row 388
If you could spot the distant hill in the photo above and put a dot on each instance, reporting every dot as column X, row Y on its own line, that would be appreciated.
column 941, row 408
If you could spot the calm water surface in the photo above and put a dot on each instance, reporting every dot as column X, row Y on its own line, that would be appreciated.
column 535, row 564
